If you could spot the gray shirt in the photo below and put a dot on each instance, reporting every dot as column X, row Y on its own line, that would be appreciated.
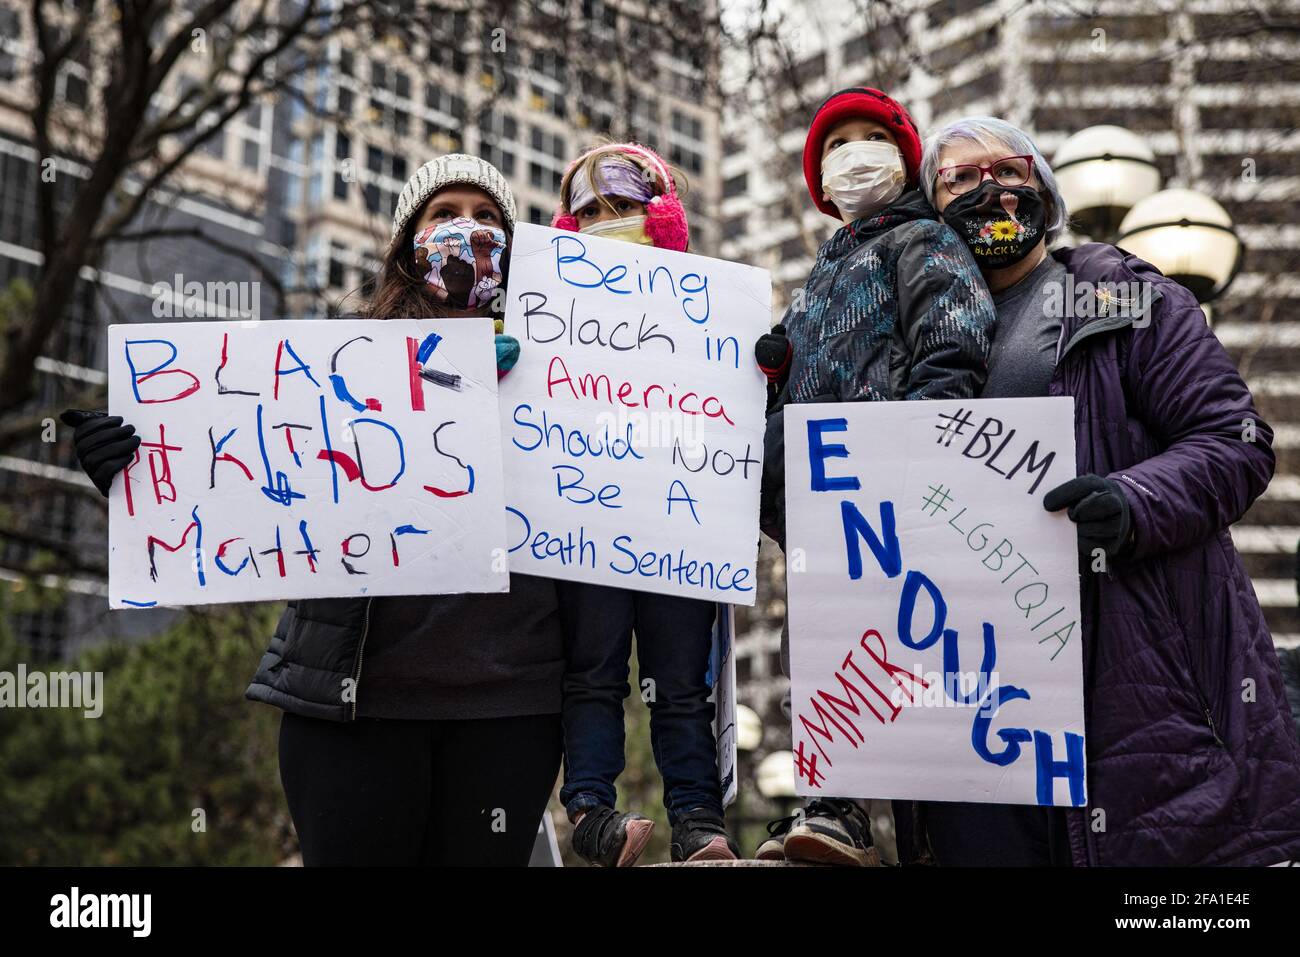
column 1023, row 355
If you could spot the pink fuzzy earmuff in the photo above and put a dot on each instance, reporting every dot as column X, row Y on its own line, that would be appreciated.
column 563, row 220
column 665, row 218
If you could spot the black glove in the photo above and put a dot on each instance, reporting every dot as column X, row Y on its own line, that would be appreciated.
column 773, row 352
column 104, row 446
column 1100, row 509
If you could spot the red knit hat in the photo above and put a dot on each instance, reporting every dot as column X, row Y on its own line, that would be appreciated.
column 859, row 101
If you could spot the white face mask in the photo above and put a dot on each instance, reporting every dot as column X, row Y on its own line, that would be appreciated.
column 629, row 229
column 862, row 177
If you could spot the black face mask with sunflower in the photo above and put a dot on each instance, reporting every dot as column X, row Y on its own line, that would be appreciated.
column 1000, row 224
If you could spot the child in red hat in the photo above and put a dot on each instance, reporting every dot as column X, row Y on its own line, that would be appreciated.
column 894, row 308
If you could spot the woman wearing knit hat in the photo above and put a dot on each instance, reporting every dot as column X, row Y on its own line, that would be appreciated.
column 894, row 308
column 417, row 730
column 626, row 191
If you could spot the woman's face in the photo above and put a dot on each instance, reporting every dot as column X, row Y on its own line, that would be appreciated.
column 460, row 200
column 855, row 129
column 606, row 208
column 968, row 152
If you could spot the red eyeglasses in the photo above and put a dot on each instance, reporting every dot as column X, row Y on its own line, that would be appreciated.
column 1008, row 171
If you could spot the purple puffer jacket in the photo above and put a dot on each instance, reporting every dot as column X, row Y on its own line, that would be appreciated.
column 1192, row 756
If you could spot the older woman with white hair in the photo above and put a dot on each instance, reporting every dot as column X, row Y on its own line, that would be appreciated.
column 1184, row 766
column 1008, row 215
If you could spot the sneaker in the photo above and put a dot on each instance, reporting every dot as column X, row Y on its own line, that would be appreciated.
column 773, row 848
column 700, row 835
column 833, row 831
column 606, row 838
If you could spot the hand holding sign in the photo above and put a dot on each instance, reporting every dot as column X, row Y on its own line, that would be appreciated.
column 104, row 444
column 1099, row 508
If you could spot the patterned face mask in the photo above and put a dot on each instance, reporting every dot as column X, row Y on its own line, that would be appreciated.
column 1000, row 224
column 461, row 261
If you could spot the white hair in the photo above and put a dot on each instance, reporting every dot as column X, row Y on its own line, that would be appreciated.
column 993, row 133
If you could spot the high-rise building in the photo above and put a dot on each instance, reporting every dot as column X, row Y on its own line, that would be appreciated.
column 511, row 91
column 301, row 186
column 1208, row 84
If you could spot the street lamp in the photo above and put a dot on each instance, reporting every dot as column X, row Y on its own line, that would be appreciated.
column 1188, row 237
column 749, row 728
column 1111, row 185
column 775, row 776
column 1102, row 171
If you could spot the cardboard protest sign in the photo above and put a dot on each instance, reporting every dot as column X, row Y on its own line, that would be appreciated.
column 633, row 423
column 933, row 602
column 305, row 460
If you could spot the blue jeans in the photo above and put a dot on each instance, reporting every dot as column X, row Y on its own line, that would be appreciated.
column 673, row 638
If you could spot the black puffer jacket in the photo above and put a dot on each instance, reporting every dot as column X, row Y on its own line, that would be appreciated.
column 418, row 656
column 315, row 651
column 423, row 656
column 894, row 308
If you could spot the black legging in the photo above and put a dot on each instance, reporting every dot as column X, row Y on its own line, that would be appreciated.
column 397, row 792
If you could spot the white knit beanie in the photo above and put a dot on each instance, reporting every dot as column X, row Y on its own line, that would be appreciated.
column 449, row 169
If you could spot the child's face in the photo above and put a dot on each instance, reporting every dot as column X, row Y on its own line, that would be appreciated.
column 854, row 129
column 606, row 208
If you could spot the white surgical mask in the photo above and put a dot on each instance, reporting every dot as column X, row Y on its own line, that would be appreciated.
column 629, row 229
column 862, row 177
